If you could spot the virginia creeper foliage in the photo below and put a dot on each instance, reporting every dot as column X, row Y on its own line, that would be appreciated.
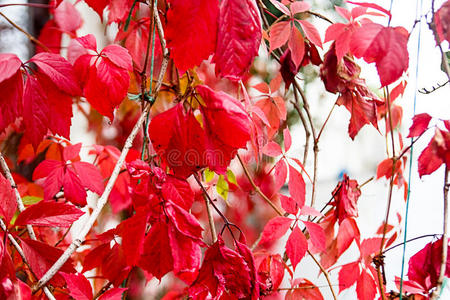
column 194, row 158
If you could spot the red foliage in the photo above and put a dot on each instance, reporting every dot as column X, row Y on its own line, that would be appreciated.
column 189, row 65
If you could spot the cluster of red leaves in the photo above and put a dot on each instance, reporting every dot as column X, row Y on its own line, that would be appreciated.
column 162, row 231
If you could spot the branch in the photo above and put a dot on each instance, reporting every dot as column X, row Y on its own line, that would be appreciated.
column 208, row 210
column 315, row 138
column 325, row 273
column 20, row 205
column 437, row 291
column 305, row 127
column 100, row 204
column 381, row 275
column 29, row 36
column 433, row 88
column 257, row 189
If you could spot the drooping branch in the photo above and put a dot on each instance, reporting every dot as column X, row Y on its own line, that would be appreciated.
column 29, row 36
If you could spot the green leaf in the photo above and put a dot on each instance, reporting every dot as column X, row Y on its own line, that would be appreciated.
column 209, row 175
column 231, row 177
column 29, row 200
column 222, row 188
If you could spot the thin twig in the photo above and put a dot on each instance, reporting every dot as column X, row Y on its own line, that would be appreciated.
column 209, row 212
column 37, row 5
column 410, row 240
column 442, row 270
column 315, row 139
column 380, row 267
column 257, row 189
column 29, row 36
column 325, row 273
column 305, row 127
column 19, row 201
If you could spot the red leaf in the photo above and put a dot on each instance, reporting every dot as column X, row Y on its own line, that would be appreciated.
column 118, row 56
column 223, row 270
column 296, row 186
column 58, row 70
column 299, row 6
column 420, row 124
column 90, row 176
column 435, row 154
column 287, row 139
column 179, row 140
column 365, row 286
column 185, row 223
column 73, row 188
column 296, row 246
column 98, row 6
column 36, row 112
column 227, row 127
column 296, row 44
column 67, row 17
column 186, row 255
column 272, row 149
column 50, row 36
column 348, row 231
column 42, row 256
column 132, row 231
column 280, row 174
column 386, row 46
column 8, row 201
column 348, row 275
column 247, row 254
column 9, row 65
column 317, row 235
column 60, row 105
column 49, row 213
column 274, row 230
column 346, row 195
column 305, row 289
column 238, row 38
column 105, row 83
column 288, row 204
column 442, row 21
column 424, row 266
column 191, row 26
column 113, row 294
column 156, row 257
column 371, row 5
column 106, row 86
column 78, row 286
column 279, row 34
column 11, row 108
column 311, row 32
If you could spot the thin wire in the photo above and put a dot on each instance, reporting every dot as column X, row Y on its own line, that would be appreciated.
column 418, row 13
